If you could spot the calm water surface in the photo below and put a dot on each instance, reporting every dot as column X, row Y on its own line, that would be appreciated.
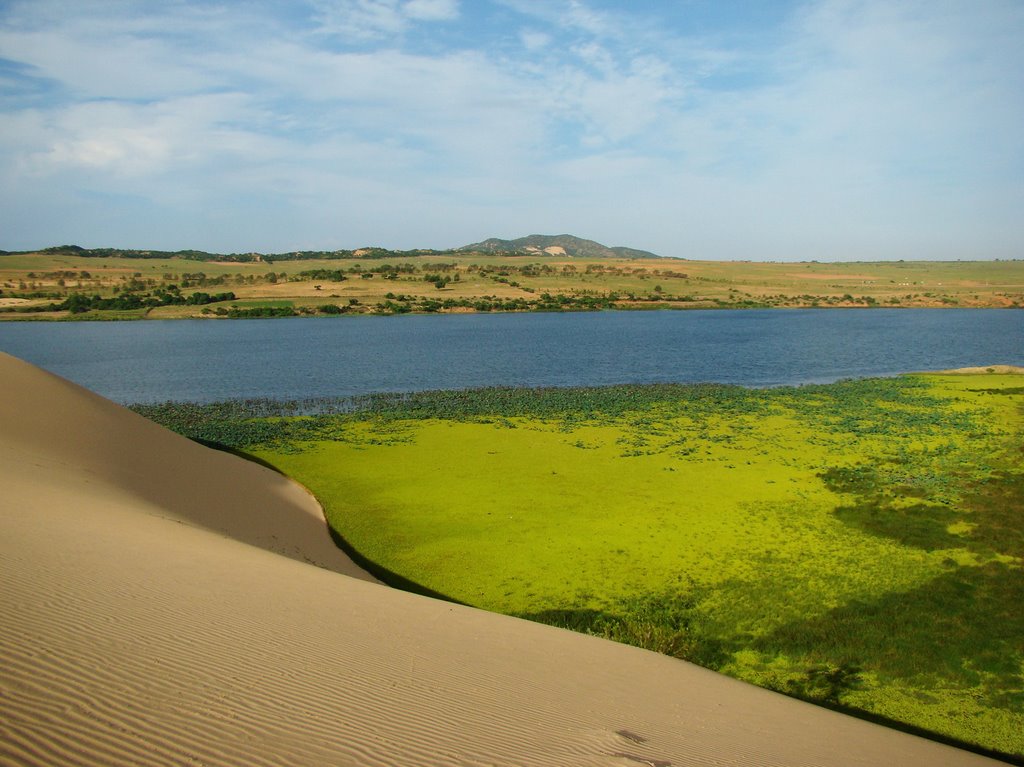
column 207, row 360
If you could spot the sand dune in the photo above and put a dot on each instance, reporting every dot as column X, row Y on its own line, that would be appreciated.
column 149, row 617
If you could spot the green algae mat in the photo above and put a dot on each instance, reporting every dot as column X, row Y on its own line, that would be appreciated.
column 858, row 544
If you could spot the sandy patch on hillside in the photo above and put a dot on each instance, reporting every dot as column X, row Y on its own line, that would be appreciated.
column 159, row 607
column 1001, row 369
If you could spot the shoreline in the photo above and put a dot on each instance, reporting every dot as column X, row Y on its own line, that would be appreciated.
column 25, row 316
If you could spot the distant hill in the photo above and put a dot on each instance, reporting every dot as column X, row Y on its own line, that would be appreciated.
column 556, row 244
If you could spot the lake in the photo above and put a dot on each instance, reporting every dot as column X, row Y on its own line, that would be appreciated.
column 209, row 360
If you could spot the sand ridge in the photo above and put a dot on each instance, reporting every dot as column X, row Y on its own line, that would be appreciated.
column 158, row 607
column 173, row 477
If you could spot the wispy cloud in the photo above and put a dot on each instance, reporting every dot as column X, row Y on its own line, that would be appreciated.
column 844, row 129
column 368, row 19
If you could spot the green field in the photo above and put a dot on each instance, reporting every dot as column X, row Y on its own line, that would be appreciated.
column 858, row 544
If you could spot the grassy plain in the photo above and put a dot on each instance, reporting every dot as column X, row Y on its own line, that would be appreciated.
column 484, row 282
column 859, row 544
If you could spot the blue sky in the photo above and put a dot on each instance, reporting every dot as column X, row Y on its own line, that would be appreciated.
column 764, row 130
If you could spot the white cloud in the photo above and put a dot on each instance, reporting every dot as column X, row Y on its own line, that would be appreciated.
column 138, row 140
column 431, row 10
column 580, row 15
column 359, row 18
column 370, row 19
column 534, row 40
column 111, row 66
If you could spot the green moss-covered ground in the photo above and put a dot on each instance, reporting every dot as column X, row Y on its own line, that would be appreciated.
column 859, row 544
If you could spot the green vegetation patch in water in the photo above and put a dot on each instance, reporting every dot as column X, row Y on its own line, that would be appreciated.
column 860, row 544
